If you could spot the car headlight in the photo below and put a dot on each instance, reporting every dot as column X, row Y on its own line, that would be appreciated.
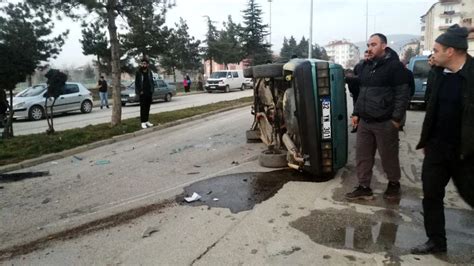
column 19, row 105
column 132, row 95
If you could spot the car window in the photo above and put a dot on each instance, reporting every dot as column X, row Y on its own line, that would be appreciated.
column 32, row 91
column 70, row 88
column 218, row 75
column 160, row 83
column 421, row 69
column 235, row 74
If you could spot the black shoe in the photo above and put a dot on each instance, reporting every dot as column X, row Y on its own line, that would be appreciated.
column 393, row 191
column 430, row 247
column 354, row 130
column 360, row 192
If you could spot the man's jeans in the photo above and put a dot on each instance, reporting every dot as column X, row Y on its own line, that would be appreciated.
column 381, row 136
column 103, row 99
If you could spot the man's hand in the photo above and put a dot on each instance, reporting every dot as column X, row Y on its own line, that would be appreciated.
column 355, row 121
column 396, row 124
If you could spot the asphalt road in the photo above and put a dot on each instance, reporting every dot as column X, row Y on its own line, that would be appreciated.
column 98, row 116
column 247, row 214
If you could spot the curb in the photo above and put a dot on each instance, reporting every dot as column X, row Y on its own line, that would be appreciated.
column 114, row 139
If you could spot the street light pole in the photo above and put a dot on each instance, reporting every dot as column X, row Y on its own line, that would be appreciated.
column 366, row 19
column 270, row 34
column 310, row 44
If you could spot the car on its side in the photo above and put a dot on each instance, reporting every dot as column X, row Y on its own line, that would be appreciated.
column 226, row 80
column 420, row 68
column 162, row 91
column 30, row 103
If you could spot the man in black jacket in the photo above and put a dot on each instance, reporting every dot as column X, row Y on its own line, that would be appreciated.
column 379, row 109
column 447, row 134
column 144, row 88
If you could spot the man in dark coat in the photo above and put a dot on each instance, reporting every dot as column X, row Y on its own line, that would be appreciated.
column 447, row 134
column 380, row 107
column 144, row 88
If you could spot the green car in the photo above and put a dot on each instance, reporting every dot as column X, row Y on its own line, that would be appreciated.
column 300, row 113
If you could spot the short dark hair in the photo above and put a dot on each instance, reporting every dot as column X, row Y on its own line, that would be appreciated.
column 382, row 37
column 145, row 60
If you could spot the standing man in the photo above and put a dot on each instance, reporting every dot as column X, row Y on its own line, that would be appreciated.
column 144, row 88
column 102, row 84
column 446, row 136
column 379, row 109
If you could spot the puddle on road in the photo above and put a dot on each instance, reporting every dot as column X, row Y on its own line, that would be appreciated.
column 241, row 191
column 385, row 231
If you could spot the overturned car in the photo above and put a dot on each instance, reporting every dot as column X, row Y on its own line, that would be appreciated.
column 300, row 113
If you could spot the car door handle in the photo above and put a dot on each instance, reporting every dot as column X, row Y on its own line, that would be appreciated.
column 61, row 97
column 79, row 95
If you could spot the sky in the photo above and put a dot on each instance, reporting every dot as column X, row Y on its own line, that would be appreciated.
column 332, row 20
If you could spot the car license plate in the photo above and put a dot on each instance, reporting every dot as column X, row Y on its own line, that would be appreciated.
column 326, row 118
column 213, row 87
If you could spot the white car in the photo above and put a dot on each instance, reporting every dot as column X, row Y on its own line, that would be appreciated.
column 225, row 80
column 29, row 103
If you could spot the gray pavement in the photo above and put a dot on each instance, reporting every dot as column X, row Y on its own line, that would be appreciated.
column 248, row 214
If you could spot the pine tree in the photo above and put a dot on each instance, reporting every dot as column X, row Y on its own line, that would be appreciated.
column 253, row 35
column 210, row 51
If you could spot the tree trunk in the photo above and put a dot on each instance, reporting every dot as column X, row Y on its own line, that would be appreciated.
column 30, row 81
column 210, row 66
column 8, row 130
column 174, row 74
column 115, row 56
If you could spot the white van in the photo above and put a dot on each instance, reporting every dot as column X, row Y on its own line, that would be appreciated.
column 225, row 80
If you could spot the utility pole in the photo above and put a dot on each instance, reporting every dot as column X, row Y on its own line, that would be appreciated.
column 366, row 19
column 310, row 45
column 270, row 34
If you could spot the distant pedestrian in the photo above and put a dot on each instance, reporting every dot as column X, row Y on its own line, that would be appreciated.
column 200, row 82
column 102, row 85
column 187, row 83
column 379, row 109
column 144, row 88
column 447, row 134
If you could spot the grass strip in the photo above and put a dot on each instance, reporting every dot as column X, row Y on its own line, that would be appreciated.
column 26, row 147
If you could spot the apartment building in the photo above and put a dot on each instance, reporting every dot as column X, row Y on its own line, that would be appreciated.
column 343, row 52
column 443, row 14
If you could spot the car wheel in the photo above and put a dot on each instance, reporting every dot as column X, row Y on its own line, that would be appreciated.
column 86, row 106
column 227, row 88
column 268, row 71
column 168, row 97
column 36, row 113
column 248, row 73
column 243, row 87
column 209, row 91
column 272, row 159
column 253, row 136
column 124, row 103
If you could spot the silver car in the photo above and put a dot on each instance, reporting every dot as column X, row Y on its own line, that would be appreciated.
column 162, row 90
column 29, row 103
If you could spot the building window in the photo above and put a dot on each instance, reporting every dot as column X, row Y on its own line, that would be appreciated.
column 448, row 8
column 467, row 21
column 448, row 20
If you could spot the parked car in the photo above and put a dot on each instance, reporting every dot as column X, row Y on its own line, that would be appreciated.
column 29, row 103
column 226, row 80
column 420, row 68
column 163, row 91
column 300, row 113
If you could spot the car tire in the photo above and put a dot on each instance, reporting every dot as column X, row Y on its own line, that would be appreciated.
column 253, row 136
column 227, row 88
column 268, row 71
column 272, row 159
column 35, row 113
column 242, row 87
column 248, row 72
column 168, row 97
column 86, row 107
column 124, row 103
column 209, row 91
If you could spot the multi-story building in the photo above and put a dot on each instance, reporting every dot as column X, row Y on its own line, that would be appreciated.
column 443, row 14
column 343, row 52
